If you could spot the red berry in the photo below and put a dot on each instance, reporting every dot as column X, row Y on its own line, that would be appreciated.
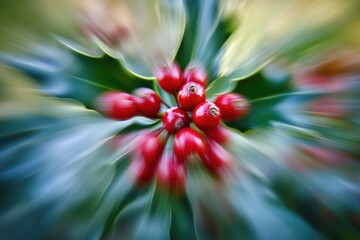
column 195, row 74
column 232, row 105
column 141, row 171
column 206, row 115
column 118, row 105
column 190, row 95
column 217, row 157
column 188, row 143
column 148, row 102
column 170, row 78
column 175, row 119
column 146, row 159
column 220, row 134
column 104, row 102
column 171, row 175
column 151, row 148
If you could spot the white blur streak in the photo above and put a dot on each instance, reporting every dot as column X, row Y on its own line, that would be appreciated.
column 150, row 32
column 264, row 213
column 267, row 29
column 25, row 24
column 207, row 22
column 20, row 98
column 62, row 157
column 142, row 34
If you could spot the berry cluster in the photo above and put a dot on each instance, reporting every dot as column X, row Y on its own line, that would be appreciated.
column 204, row 139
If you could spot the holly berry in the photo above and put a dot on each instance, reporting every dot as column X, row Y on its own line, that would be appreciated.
column 141, row 171
column 151, row 148
column 232, row 105
column 190, row 95
column 170, row 78
column 148, row 102
column 188, row 142
column 171, row 175
column 104, row 102
column 220, row 134
column 175, row 119
column 217, row 157
column 195, row 74
column 118, row 105
column 206, row 115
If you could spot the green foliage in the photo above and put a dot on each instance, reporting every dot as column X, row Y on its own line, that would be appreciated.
column 62, row 178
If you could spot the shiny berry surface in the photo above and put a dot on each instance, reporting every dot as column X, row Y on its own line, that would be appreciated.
column 104, row 103
column 190, row 95
column 187, row 143
column 118, row 105
column 217, row 157
column 191, row 131
column 170, row 78
column 232, row 105
column 142, row 172
column 151, row 148
column 220, row 134
column 175, row 119
column 196, row 74
column 206, row 115
column 171, row 175
column 148, row 102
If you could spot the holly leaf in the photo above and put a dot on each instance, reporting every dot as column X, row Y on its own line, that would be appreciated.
column 265, row 31
column 26, row 24
column 204, row 36
column 59, row 161
column 147, row 217
column 65, row 74
column 264, row 214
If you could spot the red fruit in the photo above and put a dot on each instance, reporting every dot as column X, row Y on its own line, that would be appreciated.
column 151, row 148
column 195, row 74
column 171, row 175
column 148, row 102
column 220, row 134
column 175, row 119
column 206, row 115
column 170, row 78
column 217, row 157
column 232, row 105
column 190, row 95
column 118, row 105
column 142, row 172
column 187, row 143
column 104, row 102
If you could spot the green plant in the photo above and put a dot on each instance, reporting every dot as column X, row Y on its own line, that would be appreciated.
column 286, row 170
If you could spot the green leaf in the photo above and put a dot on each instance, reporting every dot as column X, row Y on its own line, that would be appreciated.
column 66, row 74
column 148, row 217
column 141, row 35
column 211, row 216
column 267, row 30
column 204, row 36
column 219, row 86
column 152, row 33
column 61, row 163
column 324, row 198
column 25, row 26
column 264, row 214
column 166, row 97
column 182, row 225
column 284, row 104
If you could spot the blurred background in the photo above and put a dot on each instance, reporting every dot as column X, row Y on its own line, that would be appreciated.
column 64, row 167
